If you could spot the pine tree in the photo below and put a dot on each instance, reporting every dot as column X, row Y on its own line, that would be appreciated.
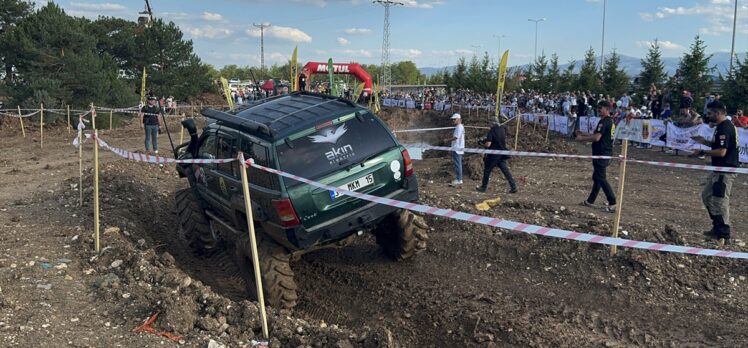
column 568, row 77
column 693, row 72
column 11, row 12
column 554, row 75
column 459, row 77
column 615, row 81
column 653, row 69
column 538, row 74
column 589, row 78
column 736, row 86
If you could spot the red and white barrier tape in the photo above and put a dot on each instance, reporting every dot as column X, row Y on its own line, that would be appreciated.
column 511, row 225
column 541, row 154
column 506, row 152
column 693, row 166
column 19, row 116
column 139, row 157
column 452, row 214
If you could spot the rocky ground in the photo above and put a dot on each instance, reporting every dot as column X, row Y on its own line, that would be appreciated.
column 474, row 286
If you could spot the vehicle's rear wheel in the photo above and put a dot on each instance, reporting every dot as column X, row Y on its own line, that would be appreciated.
column 278, row 280
column 402, row 235
column 194, row 226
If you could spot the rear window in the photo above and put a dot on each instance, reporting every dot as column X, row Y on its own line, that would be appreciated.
column 334, row 145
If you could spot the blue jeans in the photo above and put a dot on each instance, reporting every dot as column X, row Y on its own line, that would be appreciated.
column 458, row 165
column 151, row 131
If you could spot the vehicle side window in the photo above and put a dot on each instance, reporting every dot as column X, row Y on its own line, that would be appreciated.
column 260, row 155
column 207, row 149
column 227, row 149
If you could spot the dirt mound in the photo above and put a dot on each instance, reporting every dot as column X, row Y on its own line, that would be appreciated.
column 200, row 297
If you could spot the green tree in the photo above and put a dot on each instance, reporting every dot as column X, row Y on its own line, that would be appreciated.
column 554, row 75
column 406, row 73
column 693, row 72
column 653, row 69
column 174, row 68
column 736, row 86
column 459, row 78
column 615, row 81
column 589, row 77
column 11, row 12
column 568, row 77
column 474, row 74
column 538, row 74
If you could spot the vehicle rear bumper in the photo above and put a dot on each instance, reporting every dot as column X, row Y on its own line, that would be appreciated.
column 363, row 218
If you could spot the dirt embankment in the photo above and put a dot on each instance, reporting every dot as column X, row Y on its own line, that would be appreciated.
column 474, row 286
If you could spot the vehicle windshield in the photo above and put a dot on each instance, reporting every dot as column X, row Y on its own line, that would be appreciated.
column 333, row 145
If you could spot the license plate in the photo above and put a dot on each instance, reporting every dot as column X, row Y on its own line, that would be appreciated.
column 354, row 185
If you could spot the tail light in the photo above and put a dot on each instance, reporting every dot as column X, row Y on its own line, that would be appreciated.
column 408, row 163
column 286, row 213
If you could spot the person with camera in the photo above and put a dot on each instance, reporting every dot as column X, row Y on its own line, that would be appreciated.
column 496, row 140
column 149, row 120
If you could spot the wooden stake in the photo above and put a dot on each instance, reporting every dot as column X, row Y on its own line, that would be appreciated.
column 547, row 128
column 181, row 132
column 96, row 181
column 41, row 124
column 253, row 243
column 68, row 119
column 516, row 132
column 80, row 160
column 110, row 119
column 20, row 117
column 619, row 203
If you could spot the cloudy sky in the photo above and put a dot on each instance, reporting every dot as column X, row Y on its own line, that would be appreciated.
column 433, row 32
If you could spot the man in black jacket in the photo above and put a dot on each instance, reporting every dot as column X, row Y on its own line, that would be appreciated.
column 496, row 140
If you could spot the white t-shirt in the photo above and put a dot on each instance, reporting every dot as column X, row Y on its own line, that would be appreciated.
column 459, row 133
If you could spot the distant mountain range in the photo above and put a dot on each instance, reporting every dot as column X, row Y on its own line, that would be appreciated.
column 632, row 65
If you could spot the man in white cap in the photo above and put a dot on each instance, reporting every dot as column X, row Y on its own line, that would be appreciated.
column 458, row 146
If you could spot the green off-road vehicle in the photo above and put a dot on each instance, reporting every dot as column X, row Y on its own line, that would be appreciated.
column 318, row 137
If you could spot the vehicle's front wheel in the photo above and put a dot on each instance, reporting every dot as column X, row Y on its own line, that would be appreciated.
column 402, row 235
column 278, row 280
column 194, row 226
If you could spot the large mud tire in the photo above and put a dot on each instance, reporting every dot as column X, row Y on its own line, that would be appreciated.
column 402, row 235
column 194, row 226
column 278, row 281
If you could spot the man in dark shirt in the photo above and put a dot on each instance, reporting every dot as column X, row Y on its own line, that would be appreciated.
column 724, row 153
column 302, row 82
column 149, row 120
column 496, row 140
column 602, row 145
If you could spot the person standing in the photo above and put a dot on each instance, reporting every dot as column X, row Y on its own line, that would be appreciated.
column 724, row 153
column 496, row 140
column 149, row 120
column 458, row 146
column 602, row 145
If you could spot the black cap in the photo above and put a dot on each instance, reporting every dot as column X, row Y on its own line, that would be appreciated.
column 603, row 104
column 716, row 105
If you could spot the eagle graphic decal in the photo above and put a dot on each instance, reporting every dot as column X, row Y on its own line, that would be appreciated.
column 329, row 135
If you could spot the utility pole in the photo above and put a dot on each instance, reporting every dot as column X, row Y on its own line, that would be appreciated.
column 734, row 24
column 262, row 27
column 386, row 82
column 536, row 35
column 499, row 37
column 602, row 49
column 475, row 50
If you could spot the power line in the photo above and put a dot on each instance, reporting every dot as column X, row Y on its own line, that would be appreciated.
column 262, row 44
column 386, row 72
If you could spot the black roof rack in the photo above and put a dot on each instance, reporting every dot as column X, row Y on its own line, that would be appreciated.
column 283, row 115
